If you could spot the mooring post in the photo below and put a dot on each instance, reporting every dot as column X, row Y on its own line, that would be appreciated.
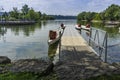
column 59, row 44
column 106, row 47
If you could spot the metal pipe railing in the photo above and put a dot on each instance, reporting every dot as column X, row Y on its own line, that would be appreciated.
column 95, row 38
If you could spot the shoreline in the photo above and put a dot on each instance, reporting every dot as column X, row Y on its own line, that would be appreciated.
column 43, row 68
column 106, row 22
column 17, row 22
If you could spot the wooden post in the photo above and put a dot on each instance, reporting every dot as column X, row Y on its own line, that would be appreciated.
column 59, row 44
column 106, row 47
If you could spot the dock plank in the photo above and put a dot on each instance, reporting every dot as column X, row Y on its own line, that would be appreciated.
column 72, row 38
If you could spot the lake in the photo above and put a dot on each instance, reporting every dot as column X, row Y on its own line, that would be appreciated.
column 30, row 41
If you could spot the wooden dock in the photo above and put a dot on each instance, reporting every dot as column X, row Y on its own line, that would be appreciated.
column 77, row 60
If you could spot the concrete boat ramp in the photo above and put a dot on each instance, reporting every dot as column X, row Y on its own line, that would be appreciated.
column 77, row 60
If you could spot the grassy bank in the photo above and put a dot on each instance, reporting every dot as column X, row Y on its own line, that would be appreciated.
column 27, row 76
column 51, row 76
column 106, row 77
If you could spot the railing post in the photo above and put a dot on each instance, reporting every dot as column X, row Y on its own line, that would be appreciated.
column 90, row 36
column 106, row 47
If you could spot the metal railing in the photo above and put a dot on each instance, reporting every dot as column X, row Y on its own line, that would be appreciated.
column 98, row 39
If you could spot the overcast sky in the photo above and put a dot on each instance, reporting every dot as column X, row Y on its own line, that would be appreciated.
column 60, row 7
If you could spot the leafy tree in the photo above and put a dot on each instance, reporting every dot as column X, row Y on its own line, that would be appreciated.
column 25, row 9
column 5, row 15
column 97, row 16
column 40, row 14
column 112, row 12
column 32, row 15
column 90, row 16
column 44, row 16
column 86, row 16
column 26, row 13
column 82, row 16
column 117, row 15
column 102, row 16
column 14, row 13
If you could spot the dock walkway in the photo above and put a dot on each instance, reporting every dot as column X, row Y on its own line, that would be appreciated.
column 77, row 59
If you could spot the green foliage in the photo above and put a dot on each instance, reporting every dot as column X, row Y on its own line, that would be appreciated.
column 14, row 13
column 25, row 9
column 26, row 13
column 51, row 76
column 81, row 16
column 86, row 16
column 112, row 13
column 97, row 17
column 46, row 17
column 102, row 15
column 17, row 76
column 5, row 15
column 32, row 15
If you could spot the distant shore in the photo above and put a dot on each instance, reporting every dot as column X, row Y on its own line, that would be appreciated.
column 106, row 22
column 16, row 22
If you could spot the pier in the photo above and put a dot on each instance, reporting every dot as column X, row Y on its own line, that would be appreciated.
column 77, row 60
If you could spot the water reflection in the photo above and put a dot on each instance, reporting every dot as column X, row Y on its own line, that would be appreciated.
column 28, row 41
column 52, row 50
column 3, row 31
column 23, row 41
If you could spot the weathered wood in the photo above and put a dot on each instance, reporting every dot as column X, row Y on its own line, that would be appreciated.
column 72, row 38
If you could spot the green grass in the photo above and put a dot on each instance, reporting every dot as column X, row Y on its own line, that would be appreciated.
column 106, row 77
column 3, row 65
column 27, row 76
column 51, row 76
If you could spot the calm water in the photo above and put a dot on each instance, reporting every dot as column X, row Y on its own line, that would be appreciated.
column 30, row 41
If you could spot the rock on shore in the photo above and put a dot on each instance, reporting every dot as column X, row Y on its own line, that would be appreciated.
column 26, row 65
column 76, row 70
column 65, row 70
column 4, row 60
column 32, row 65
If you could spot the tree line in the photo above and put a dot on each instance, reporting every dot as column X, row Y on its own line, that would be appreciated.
column 64, row 17
column 112, row 13
column 25, row 13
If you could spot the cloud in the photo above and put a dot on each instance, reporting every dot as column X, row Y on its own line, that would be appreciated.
column 100, row 5
column 65, row 7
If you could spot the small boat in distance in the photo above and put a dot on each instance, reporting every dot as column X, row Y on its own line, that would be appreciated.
column 55, row 35
column 78, row 26
column 87, row 27
column 63, row 26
